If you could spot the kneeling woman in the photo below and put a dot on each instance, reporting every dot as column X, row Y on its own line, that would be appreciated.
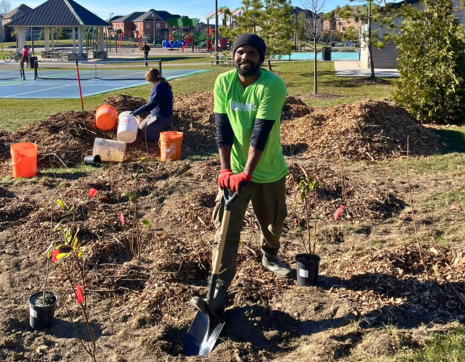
column 160, row 106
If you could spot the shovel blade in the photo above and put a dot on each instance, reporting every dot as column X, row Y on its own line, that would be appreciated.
column 203, row 334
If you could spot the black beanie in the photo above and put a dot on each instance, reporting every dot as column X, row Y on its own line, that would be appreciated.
column 252, row 40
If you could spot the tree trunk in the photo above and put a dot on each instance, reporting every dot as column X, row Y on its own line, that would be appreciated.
column 370, row 48
column 269, row 65
column 315, row 86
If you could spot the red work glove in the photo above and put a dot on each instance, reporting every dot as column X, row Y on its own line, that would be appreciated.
column 236, row 181
column 223, row 179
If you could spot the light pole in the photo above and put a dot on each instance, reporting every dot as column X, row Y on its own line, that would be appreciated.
column 153, row 14
column 109, row 30
column 216, row 30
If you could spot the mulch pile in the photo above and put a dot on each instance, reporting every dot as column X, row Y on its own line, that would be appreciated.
column 365, row 130
column 390, row 280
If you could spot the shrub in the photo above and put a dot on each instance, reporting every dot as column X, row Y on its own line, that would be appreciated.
column 431, row 64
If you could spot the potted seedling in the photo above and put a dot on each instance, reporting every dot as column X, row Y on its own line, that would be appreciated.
column 308, row 262
column 43, row 303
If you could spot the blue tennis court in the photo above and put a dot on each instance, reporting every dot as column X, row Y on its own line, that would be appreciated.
column 56, row 84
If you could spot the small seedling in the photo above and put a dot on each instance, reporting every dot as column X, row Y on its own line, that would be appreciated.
column 134, row 243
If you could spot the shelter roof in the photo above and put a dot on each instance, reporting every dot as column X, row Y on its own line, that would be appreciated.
column 63, row 13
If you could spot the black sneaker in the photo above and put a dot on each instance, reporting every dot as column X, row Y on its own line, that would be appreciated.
column 274, row 265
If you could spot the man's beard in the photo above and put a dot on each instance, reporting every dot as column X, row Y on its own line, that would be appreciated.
column 250, row 72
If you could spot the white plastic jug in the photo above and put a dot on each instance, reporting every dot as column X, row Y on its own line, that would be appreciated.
column 109, row 150
column 127, row 127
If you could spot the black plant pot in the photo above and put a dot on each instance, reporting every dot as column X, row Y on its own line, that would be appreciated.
column 307, row 269
column 41, row 316
column 94, row 160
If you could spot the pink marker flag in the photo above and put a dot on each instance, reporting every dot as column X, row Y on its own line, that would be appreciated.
column 79, row 294
column 92, row 192
column 121, row 218
column 338, row 212
column 54, row 255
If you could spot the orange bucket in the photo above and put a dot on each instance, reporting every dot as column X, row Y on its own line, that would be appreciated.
column 170, row 145
column 106, row 117
column 24, row 157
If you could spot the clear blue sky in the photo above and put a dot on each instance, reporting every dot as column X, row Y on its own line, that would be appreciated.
column 191, row 8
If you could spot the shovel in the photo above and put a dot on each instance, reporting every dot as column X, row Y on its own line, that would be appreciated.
column 206, row 327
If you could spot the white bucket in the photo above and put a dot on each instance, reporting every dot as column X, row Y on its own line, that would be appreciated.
column 109, row 150
column 127, row 127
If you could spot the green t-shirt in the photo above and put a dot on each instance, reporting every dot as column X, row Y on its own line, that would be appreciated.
column 264, row 99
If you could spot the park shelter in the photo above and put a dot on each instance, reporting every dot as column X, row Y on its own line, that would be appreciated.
column 63, row 14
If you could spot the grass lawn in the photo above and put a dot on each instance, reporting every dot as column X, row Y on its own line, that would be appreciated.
column 298, row 77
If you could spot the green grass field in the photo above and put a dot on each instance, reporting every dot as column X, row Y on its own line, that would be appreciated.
column 298, row 77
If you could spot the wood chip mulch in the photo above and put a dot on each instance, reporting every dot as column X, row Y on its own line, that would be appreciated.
column 393, row 279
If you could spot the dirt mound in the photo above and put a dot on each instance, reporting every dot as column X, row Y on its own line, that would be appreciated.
column 365, row 130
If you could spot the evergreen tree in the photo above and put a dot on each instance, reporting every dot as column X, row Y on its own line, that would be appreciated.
column 301, row 27
column 277, row 27
column 62, row 34
column 431, row 49
column 270, row 19
column 250, row 18
column 41, row 34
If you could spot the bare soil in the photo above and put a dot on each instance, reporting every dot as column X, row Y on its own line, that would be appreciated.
column 378, row 293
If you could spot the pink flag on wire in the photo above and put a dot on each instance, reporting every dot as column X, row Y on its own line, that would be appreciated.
column 338, row 212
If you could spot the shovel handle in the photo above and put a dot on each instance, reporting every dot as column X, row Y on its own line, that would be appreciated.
column 228, row 200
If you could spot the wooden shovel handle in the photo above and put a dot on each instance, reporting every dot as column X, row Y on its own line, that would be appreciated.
column 224, row 229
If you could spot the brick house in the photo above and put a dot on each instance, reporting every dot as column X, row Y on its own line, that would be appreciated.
column 13, row 15
column 153, row 25
column 341, row 24
column 125, row 24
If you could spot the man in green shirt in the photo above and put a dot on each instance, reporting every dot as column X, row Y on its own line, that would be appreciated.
column 248, row 104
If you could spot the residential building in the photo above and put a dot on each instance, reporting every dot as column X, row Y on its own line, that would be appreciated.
column 341, row 24
column 13, row 15
column 126, row 24
column 386, row 58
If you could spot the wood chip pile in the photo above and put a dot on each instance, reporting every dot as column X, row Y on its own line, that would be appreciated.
column 366, row 130
column 363, row 200
column 389, row 280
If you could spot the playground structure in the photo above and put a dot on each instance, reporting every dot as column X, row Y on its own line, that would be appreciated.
column 225, row 14
column 182, row 33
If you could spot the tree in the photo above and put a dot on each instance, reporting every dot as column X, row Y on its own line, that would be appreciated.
column 250, row 17
column 277, row 27
column 375, row 11
column 41, row 34
column 271, row 19
column 431, row 48
column 62, row 34
column 301, row 26
column 5, row 7
column 316, row 32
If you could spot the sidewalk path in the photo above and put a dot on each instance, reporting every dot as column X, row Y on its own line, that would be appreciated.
column 350, row 68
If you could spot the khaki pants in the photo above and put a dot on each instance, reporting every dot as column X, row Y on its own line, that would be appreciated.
column 269, row 205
